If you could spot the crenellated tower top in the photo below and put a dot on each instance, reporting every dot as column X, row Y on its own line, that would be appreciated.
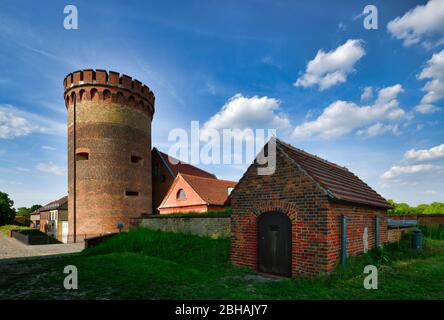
column 100, row 85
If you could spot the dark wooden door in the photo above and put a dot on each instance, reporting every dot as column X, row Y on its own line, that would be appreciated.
column 274, row 243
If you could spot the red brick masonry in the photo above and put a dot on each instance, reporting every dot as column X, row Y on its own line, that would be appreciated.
column 113, row 144
column 315, row 215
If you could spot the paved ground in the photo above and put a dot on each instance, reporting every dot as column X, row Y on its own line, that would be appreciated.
column 12, row 248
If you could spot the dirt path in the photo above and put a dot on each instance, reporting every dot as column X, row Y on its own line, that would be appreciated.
column 12, row 248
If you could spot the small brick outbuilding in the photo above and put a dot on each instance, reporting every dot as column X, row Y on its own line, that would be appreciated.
column 292, row 222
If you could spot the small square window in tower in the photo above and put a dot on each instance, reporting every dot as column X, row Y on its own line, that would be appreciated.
column 136, row 159
column 82, row 156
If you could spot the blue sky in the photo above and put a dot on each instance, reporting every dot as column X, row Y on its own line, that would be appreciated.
column 299, row 67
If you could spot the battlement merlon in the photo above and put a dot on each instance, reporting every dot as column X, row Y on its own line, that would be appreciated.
column 98, row 78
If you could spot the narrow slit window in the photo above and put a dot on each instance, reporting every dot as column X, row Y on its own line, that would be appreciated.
column 136, row 159
column 131, row 193
column 82, row 156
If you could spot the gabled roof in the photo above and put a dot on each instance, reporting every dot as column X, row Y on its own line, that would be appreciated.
column 212, row 191
column 59, row 204
column 181, row 167
column 337, row 181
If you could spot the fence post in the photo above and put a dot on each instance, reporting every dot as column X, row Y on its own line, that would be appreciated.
column 344, row 240
column 377, row 232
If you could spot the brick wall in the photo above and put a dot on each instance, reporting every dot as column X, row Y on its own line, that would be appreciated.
column 292, row 192
column 431, row 219
column 213, row 226
column 113, row 127
column 395, row 234
column 162, row 181
column 316, row 224
column 423, row 219
column 358, row 218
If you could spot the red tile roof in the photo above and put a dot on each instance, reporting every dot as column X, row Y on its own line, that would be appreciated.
column 338, row 181
column 61, row 203
column 213, row 191
column 183, row 167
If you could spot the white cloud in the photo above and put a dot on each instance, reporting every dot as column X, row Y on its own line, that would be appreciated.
column 51, row 168
column 423, row 25
column 241, row 112
column 23, row 169
column 378, row 129
column 426, row 108
column 425, row 154
column 17, row 123
column 397, row 171
column 330, row 68
column 429, row 192
column 342, row 117
column 12, row 126
column 48, row 148
column 367, row 93
column 434, row 88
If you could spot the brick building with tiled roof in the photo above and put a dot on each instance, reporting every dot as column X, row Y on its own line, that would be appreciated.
column 190, row 193
column 165, row 169
column 305, row 218
column 51, row 218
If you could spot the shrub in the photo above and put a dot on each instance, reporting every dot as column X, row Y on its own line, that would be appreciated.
column 9, row 227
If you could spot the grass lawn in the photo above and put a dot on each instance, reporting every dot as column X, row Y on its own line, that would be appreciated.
column 145, row 264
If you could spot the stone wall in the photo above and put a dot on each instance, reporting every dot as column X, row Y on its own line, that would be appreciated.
column 214, row 226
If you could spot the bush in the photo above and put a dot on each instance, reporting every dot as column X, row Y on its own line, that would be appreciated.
column 9, row 227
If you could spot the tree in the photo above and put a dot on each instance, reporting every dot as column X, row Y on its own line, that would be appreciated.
column 435, row 207
column 25, row 214
column 399, row 208
column 35, row 207
column 404, row 208
column 7, row 212
column 22, row 211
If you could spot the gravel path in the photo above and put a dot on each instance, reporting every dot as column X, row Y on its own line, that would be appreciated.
column 12, row 248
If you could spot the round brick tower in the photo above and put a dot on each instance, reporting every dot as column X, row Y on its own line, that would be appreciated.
column 110, row 179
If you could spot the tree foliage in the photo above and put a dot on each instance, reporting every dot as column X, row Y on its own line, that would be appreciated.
column 404, row 208
column 25, row 214
column 7, row 212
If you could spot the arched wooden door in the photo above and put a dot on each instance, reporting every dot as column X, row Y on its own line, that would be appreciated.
column 274, row 243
